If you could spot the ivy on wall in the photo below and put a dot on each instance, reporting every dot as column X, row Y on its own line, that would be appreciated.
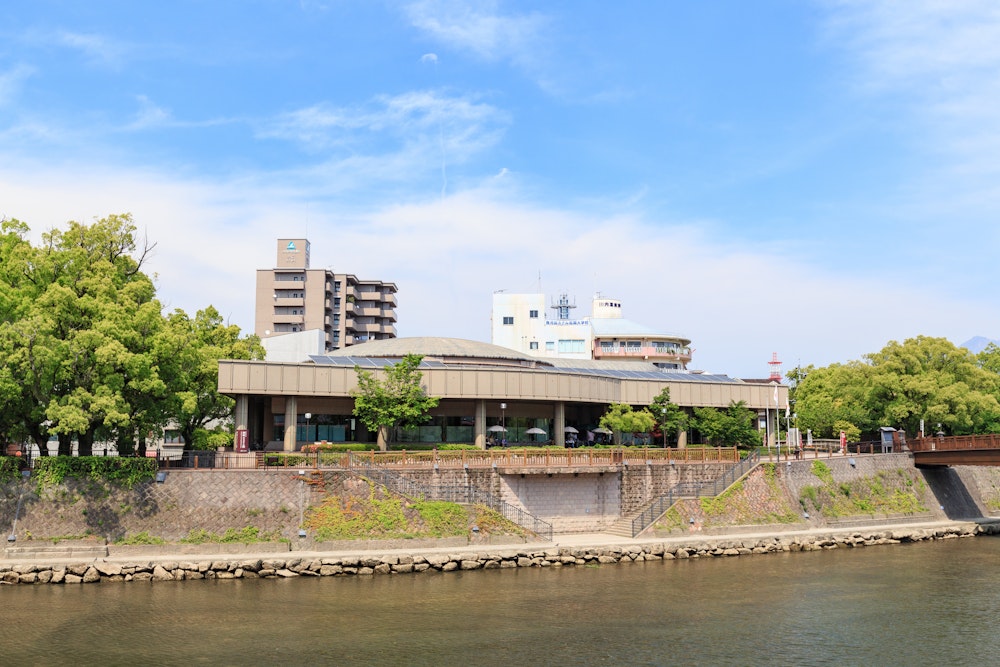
column 127, row 472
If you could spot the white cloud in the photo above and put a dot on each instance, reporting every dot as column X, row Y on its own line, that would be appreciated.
column 447, row 255
column 940, row 61
column 11, row 81
column 479, row 28
column 395, row 138
column 96, row 47
column 149, row 115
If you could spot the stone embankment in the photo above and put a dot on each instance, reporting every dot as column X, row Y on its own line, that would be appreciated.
column 398, row 562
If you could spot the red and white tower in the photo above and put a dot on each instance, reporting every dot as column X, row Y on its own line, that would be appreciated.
column 775, row 366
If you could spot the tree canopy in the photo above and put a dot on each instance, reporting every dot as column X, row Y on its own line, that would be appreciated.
column 621, row 418
column 736, row 426
column 393, row 401
column 670, row 417
column 923, row 378
column 87, row 353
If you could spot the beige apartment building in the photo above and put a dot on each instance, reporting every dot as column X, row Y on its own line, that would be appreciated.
column 294, row 298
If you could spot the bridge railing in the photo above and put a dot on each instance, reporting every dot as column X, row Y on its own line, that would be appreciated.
column 506, row 458
column 951, row 443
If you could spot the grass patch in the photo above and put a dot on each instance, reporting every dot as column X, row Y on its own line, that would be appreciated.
column 140, row 539
column 245, row 535
column 383, row 515
column 883, row 493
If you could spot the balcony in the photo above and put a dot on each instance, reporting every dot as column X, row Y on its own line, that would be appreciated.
column 647, row 352
column 289, row 319
column 289, row 301
column 373, row 328
column 367, row 309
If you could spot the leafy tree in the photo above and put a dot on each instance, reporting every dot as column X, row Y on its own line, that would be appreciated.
column 671, row 417
column 191, row 349
column 621, row 418
column 923, row 378
column 733, row 427
column 102, row 304
column 395, row 400
column 87, row 353
column 835, row 398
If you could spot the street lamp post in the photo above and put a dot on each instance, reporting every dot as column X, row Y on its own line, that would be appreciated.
column 503, row 422
column 308, row 416
column 663, row 428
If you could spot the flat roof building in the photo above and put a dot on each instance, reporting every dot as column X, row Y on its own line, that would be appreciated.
column 519, row 321
column 292, row 298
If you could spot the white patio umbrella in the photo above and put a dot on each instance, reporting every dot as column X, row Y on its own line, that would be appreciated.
column 601, row 429
column 496, row 428
column 534, row 430
column 570, row 429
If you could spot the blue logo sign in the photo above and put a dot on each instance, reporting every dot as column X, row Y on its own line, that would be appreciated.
column 291, row 245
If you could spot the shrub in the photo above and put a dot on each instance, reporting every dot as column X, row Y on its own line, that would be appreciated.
column 10, row 468
column 127, row 472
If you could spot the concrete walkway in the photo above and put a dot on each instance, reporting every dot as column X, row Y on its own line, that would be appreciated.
column 589, row 541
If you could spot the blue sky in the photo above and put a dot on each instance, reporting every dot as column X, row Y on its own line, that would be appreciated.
column 812, row 178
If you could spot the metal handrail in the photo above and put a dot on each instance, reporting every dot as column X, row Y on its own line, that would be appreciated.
column 457, row 494
column 658, row 507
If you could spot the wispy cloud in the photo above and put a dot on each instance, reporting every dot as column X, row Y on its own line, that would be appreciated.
column 11, row 81
column 404, row 123
column 96, row 47
column 149, row 115
column 480, row 28
column 942, row 60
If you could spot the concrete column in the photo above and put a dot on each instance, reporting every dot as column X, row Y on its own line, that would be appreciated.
column 241, row 413
column 559, row 425
column 291, row 422
column 479, row 428
column 682, row 439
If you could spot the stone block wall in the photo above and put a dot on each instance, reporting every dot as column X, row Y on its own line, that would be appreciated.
column 643, row 484
column 571, row 502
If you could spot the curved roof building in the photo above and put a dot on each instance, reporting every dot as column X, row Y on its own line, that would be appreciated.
column 480, row 386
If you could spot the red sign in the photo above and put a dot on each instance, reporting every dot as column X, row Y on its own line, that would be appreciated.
column 242, row 441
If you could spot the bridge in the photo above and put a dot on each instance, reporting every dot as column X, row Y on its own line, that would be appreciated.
column 956, row 450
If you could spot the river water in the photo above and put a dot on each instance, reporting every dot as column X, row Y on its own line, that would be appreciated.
column 920, row 604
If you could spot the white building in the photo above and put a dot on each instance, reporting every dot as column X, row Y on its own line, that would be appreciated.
column 519, row 322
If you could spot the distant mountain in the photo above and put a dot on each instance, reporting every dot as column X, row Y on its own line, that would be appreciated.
column 977, row 344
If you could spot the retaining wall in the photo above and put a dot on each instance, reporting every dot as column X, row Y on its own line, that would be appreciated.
column 318, row 565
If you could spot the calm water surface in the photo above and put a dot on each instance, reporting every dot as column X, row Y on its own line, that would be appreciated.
column 923, row 604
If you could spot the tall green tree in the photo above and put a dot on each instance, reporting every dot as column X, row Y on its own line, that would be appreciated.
column 736, row 426
column 392, row 399
column 923, row 378
column 102, row 303
column 621, row 418
column 191, row 349
column 670, row 417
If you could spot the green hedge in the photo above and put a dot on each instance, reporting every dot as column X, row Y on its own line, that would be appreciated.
column 127, row 472
column 10, row 468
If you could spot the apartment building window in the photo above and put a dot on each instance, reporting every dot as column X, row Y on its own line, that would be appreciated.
column 533, row 345
column 508, row 320
column 550, row 346
column 571, row 346
column 533, row 314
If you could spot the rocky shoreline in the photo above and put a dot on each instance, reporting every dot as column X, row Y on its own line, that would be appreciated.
column 591, row 549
